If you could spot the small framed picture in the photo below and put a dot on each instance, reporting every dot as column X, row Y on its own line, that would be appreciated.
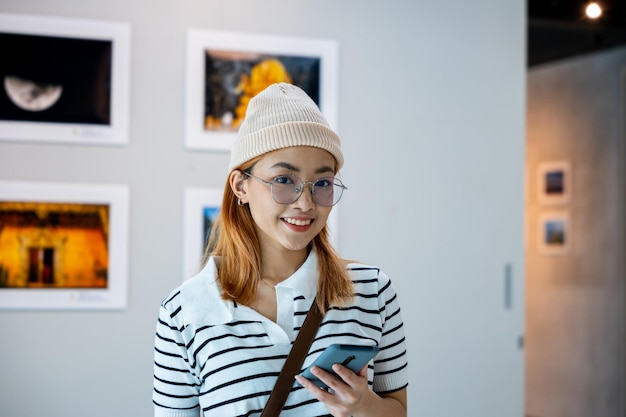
column 63, row 245
column 224, row 70
column 555, row 235
column 555, row 182
column 64, row 80
column 201, row 207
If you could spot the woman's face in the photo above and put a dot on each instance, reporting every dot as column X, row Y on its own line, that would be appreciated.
column 288, row 226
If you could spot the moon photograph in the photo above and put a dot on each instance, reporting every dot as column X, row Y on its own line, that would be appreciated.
column 55, row 79
column 29, row 95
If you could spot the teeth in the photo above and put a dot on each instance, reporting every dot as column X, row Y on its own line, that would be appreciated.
column 298, row 222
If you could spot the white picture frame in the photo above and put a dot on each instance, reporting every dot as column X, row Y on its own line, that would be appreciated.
column 63, row 246
column 58, row 98
column 244, row 49
column 202, row 202
column 554, row 181
column 555, row 233
column 199, row 204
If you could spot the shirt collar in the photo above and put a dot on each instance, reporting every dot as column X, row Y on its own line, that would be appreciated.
column 304, row 280
column 201, row 299
column 202, row 302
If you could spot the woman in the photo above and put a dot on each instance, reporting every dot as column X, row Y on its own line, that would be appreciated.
column 223, row 335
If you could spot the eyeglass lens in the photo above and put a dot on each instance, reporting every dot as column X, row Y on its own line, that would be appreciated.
column 325, row 191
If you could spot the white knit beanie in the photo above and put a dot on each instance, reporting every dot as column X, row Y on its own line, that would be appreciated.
column 278, row 117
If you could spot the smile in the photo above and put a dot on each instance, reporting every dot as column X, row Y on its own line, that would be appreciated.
column 297, row 222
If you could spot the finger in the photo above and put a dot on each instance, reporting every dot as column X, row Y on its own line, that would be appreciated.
column 317, row 391
column 326, row 377
column 346, row 374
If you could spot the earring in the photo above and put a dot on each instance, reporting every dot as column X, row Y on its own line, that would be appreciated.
column 239, row 203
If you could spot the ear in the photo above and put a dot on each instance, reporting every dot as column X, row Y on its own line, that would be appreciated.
column 237, row 182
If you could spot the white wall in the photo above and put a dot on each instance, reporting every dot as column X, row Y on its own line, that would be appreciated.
column 431, row 114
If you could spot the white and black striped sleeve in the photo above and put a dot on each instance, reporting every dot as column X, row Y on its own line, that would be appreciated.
column 391, row 362
column 176, row 384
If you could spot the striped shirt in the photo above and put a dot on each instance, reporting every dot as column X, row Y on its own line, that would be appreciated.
column 217, row 358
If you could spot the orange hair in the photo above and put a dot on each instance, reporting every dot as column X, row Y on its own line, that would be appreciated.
column 234, row 239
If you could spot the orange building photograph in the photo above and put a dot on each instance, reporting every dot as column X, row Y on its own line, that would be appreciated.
column 53, row 245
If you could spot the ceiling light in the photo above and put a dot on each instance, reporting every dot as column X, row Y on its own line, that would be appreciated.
column 593, row 10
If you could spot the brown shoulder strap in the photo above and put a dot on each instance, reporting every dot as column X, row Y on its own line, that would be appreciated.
column 293, row 363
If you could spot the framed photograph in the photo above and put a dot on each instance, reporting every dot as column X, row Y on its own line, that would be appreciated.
column 555, row 235
column 555, row 182
column 201, row 207
column 64, row 80
column 63, row 245
column 224, row 70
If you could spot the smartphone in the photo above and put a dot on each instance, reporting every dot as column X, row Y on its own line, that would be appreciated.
column 353, row 357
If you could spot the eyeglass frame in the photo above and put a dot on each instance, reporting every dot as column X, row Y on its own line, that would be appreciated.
column 312, row 183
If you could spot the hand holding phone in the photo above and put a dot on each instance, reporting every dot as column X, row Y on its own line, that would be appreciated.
column 353, row 357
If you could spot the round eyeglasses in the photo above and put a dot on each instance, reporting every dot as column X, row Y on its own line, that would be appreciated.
column 287, row 189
